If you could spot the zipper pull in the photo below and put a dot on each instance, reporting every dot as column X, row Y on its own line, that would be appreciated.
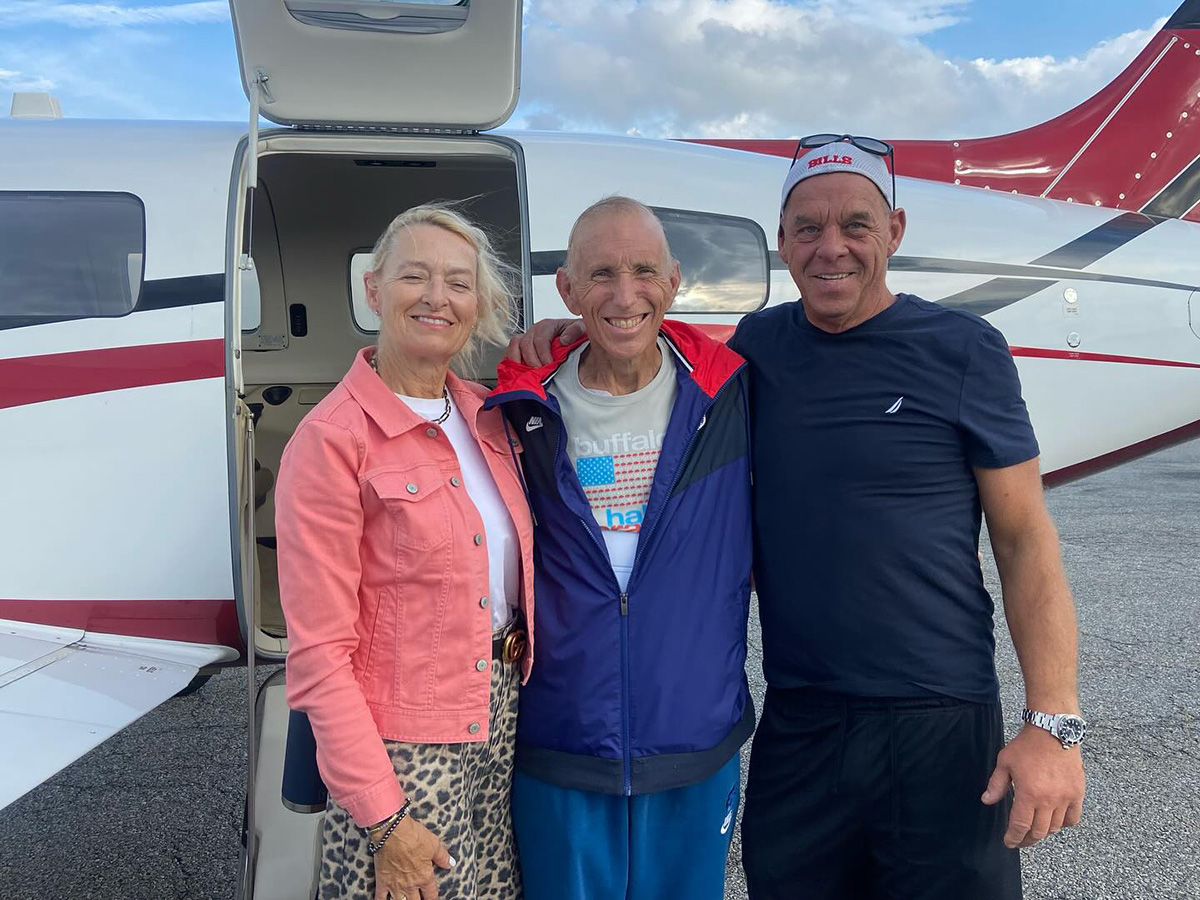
column 624, row 603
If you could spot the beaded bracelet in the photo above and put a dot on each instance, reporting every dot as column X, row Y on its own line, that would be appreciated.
column 374, row 847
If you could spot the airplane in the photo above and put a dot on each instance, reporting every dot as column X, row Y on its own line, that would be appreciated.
column 176, row 296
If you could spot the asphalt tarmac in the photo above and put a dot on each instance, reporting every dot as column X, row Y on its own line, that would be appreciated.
column 156, row 812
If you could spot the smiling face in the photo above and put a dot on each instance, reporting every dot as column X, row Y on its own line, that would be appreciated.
column 621, row 280
column 425, row 295
column 836, row 235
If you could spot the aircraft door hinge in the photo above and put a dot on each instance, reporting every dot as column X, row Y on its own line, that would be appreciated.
column 262, row 84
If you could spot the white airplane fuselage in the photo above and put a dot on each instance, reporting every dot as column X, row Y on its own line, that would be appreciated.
column 129, row 460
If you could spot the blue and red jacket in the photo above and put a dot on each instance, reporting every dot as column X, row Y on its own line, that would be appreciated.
column 643, row 690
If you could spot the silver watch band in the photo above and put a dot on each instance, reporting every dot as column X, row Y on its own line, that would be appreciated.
column 1068, row 728
column 1040, row 719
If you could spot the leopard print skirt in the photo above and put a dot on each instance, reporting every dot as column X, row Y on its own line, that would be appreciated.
column 460, row 792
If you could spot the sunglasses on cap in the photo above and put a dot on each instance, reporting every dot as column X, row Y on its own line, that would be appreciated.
column 867, row 144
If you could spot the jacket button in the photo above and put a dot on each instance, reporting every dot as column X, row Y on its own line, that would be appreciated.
column 481, row 665
column 478, row 539
column 432, row 432
column 473, row 728
column 456, row 481
column 411, row 488
column 484, row 601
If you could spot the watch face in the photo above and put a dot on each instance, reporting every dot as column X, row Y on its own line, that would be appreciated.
column 1070, row 729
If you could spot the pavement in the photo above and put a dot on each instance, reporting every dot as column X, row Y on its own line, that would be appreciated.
column 156, row 811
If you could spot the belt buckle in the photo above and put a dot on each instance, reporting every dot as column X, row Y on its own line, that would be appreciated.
column 514, row 645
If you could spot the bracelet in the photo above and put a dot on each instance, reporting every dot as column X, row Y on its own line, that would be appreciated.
column 374, row 847
column 380, row 826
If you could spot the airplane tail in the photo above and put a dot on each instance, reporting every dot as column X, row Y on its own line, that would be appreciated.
column 1135, row 145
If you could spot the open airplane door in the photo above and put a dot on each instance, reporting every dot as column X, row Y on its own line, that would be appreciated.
column 418, row 72
column 347, row 63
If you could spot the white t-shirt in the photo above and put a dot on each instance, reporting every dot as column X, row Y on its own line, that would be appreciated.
column 504, row 565
column 614, row 443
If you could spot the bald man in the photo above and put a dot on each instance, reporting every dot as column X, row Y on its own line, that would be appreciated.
column 634, row 443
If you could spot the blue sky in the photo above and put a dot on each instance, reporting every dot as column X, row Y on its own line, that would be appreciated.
column 933, row 68
column 1007, row 28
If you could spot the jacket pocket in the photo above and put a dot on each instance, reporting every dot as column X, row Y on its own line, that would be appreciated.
column 376, row 679
column 416, row 502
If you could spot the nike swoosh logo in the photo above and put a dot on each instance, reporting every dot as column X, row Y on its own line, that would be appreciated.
column 894, row 408
column 533, row 424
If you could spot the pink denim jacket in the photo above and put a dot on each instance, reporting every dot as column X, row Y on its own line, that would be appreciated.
column 383, row 577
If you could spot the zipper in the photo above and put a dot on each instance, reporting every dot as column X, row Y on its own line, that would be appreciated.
column 626, row 762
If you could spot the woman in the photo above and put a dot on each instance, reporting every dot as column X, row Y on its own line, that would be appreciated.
column 405, row 567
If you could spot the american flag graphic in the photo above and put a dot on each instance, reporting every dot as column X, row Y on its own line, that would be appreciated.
column 617, row 485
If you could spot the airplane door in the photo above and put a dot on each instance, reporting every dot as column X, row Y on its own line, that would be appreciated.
column 1194, row 312
column 394, row 62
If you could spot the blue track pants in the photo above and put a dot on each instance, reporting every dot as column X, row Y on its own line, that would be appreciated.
column 582, row 845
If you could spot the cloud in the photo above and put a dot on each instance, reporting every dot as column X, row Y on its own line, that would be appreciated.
column 13, row 80
column 109, row 15
column 767, row 68
column 1032, row 89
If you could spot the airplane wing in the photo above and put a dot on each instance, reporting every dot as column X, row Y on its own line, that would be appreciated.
column 63, row 691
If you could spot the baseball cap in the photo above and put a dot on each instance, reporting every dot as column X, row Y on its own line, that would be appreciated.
column 839, row 156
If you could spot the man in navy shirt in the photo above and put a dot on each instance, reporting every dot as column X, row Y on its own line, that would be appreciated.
column 882, row 426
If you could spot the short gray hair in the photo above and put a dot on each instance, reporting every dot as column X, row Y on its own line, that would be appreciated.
column 613, row 203
column 496, row 281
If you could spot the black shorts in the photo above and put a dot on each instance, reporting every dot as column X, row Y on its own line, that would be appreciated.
column 877, row 799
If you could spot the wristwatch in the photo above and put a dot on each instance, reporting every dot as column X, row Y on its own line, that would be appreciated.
column 1068, row 728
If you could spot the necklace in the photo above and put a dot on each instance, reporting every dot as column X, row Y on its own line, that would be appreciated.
column 445, row 396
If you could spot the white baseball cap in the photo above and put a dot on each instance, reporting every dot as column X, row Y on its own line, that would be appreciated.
column 839, row 156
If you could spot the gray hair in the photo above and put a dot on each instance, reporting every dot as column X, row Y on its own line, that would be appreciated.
column 496, row 281
column 614, row 203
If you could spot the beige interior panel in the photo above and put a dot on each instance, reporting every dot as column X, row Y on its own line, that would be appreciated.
column 325, row 207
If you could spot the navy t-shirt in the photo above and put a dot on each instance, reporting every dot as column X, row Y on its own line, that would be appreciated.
column 866, row 509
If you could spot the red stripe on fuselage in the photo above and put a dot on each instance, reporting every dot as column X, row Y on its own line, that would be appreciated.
column 189, row 621
column 1125, row 454
column 54, row 376
column 1041, row 353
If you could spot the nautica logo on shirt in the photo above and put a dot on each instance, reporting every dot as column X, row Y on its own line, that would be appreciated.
column 534, row 424
column 894, row 408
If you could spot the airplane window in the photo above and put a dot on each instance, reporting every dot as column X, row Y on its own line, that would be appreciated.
column 364, row 318
column 69, row 255
column 723, row 260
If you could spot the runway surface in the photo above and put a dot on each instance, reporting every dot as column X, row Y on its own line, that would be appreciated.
column 156, row 812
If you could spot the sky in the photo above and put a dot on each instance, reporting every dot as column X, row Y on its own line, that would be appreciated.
column 661, row 68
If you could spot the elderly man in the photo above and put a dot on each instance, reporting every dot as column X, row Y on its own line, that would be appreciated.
column 634, row 443
column 882, row 426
